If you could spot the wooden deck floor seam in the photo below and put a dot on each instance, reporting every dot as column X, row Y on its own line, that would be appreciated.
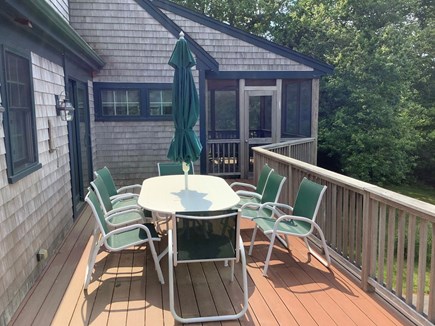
column 125, row 290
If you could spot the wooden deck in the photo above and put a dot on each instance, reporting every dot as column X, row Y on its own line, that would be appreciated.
column 125, row 290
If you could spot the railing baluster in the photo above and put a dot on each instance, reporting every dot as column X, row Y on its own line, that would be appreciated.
column 390, row 246
column 359, row 230
column 381, row 242
column 422, row 255
column 410, row 260
column 431, row 306
column 374, row 229
column 400, row 253
column 352, row 221
column 346, row 223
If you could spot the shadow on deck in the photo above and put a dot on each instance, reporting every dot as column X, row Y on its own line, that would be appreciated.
column 125, row 290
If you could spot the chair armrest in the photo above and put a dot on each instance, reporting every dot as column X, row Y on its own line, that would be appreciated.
column 242, row 184
column 137, row 186
column 251, row 205
column 119, row 211
column 275, row 207
column 294, row 218
column 124, row 229
column 125, row 209
column 245, row 193
column 119, row 197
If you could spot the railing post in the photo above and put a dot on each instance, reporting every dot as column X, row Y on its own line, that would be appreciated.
column 367, row 243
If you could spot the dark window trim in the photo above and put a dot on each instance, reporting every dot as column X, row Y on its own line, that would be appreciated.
column 36, row 165
column 143, row 88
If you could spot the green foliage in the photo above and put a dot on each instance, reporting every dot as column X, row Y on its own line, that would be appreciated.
column 377, row 114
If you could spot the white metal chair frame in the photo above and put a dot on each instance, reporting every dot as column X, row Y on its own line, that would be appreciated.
column 257, row 207
column 100, row 238
column 274, row 233
column 124, row 192
column 173, row 261
column 109, row 215
column 265, row 173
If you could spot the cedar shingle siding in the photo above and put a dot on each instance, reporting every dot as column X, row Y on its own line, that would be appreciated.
column 35, row 212
column 107, row 41
column 234, row 54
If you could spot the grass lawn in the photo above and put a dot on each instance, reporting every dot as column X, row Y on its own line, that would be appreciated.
column 422, row 192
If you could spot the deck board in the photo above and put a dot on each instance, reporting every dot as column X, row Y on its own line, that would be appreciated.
column 125, row 290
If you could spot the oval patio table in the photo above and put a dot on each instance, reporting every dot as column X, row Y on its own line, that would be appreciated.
column 167, row 194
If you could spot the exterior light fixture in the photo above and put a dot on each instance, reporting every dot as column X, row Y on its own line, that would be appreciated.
column 64, row 108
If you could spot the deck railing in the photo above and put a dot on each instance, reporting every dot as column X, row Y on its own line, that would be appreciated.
column 382, row 237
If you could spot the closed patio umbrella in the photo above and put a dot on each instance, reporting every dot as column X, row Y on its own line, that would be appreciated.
column 185, row 146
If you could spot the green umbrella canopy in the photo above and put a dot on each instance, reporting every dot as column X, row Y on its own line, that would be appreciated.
column 185, row 146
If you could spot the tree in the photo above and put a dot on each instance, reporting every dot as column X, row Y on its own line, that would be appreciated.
column 376, row 120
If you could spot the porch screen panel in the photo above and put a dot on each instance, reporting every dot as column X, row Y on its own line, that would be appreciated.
column 223, row 127
column 297, row 108
column 260, row 116
column 223, row 115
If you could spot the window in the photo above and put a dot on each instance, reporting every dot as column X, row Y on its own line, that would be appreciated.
column 160, row 102
column 133, row 101
column 120, row 102
column 21, row 143
column 296, row 115
column 223, row 112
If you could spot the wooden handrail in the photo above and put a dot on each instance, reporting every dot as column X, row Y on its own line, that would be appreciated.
column 383, row 237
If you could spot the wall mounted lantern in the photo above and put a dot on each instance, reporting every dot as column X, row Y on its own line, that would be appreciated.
column 64, row 108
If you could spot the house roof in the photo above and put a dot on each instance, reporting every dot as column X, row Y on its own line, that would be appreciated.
column 319, row 67
column 46, row 21
column 204, row 57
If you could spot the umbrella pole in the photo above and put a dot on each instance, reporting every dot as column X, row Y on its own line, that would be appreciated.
column 186, row 168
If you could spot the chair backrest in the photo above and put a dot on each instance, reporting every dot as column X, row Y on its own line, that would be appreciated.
column 100, row 189
column 172, row 168
column 262, row 179
column 273, row 187
column 105, row 174
column 308, row 199
column 206, row 236
column 92, row 200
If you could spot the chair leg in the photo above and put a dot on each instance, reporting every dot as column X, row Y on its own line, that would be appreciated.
column 210, row 318
column 91, row 261
column 156, row 261
column 269, row 253
column 254, row 234
column 232, row 270
column 327, row 261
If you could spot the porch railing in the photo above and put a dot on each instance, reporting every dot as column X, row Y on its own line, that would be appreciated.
column 224, row 154
column 382, row 237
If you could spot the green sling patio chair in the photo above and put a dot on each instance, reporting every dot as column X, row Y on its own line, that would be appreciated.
column 206, row 237
column 114, row 192
column 301, row 223
column 133, row 213
column 271, row 193
column 255, row 192
column 172, row 168
column 168, row 168
column 118, row 239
